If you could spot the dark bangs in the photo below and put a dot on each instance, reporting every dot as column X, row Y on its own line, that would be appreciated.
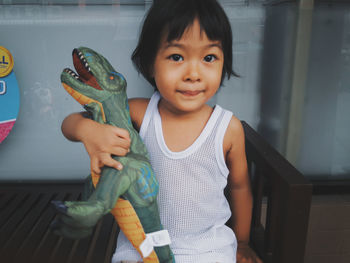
column 173, row 17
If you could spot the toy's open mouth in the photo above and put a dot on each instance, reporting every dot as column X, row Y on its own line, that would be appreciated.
column 82, row 67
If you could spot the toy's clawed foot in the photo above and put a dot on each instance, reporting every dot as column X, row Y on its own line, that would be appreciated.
column 76, row 219
column 59, row 206
column 62, row 229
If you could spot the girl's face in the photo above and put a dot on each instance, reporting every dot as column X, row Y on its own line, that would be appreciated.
column 188, row 71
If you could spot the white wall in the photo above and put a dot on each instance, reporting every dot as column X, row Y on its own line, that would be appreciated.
column 41, row 38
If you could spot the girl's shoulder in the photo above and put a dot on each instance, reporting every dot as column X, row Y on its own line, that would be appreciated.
column 138, row 108
column 234, row 135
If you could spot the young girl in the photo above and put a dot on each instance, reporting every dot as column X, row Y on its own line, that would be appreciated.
column 185, row 52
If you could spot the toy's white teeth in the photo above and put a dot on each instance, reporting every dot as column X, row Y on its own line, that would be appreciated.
column 84, row 61
column 72, row 73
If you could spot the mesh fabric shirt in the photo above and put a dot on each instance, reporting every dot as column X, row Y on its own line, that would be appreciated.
column 191, row 198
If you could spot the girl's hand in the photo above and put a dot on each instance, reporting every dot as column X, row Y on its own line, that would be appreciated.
column 101, row 142
column 247, row 255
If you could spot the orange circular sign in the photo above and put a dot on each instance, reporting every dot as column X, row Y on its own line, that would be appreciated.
column 6, row 62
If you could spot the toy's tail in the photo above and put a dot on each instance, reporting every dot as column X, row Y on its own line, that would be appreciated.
column 130, row 224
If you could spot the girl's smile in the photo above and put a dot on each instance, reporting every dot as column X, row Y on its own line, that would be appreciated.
column 190, row 93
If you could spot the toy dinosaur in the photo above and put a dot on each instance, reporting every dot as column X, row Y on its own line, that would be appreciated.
column 129, row 194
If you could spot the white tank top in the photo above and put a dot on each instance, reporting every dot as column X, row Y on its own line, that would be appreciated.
column 191, row 199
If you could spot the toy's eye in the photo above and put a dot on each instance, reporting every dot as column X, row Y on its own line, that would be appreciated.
column 117, row 76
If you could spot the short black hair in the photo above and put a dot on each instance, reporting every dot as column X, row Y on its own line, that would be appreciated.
column 173, row 17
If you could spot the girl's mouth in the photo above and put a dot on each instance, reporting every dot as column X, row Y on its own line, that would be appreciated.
column 190, row 93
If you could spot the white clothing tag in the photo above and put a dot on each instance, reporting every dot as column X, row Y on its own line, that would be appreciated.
column 146, row 247
column 160, row 238
column 155, row 239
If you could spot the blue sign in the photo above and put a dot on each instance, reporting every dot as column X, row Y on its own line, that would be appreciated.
column 9, row 95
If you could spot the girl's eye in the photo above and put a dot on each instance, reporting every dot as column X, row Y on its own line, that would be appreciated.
column 209, row 58
column 176, row 57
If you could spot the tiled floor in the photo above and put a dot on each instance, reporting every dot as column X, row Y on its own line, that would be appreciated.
column 329, row 230
column 328, row 238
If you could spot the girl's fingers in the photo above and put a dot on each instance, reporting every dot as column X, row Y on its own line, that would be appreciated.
column 118, row 151
column 122, row 143
column 121, row 133
column 105, row 160
column 109, row 161
column 95, row 166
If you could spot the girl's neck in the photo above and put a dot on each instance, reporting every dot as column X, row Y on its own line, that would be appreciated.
column 168, row 112
column 181, row 129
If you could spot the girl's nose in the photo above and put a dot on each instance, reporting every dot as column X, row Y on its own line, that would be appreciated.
column 192, row 72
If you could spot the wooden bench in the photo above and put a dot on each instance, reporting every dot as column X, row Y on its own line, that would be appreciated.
column 25, row 215
column 281, row 237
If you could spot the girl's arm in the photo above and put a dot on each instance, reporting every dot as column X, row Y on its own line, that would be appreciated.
column 101, row 141
column 240, row 191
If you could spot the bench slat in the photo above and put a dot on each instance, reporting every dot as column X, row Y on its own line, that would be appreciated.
column 25, row 236
column 28, row 220
column 30, row 242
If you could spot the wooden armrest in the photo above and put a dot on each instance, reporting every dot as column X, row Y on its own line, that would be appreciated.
column 282, row 237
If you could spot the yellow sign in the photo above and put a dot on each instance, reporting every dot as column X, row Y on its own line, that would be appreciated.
column 6, row 62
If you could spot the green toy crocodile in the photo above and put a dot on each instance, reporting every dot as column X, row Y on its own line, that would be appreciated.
column 129, row 194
